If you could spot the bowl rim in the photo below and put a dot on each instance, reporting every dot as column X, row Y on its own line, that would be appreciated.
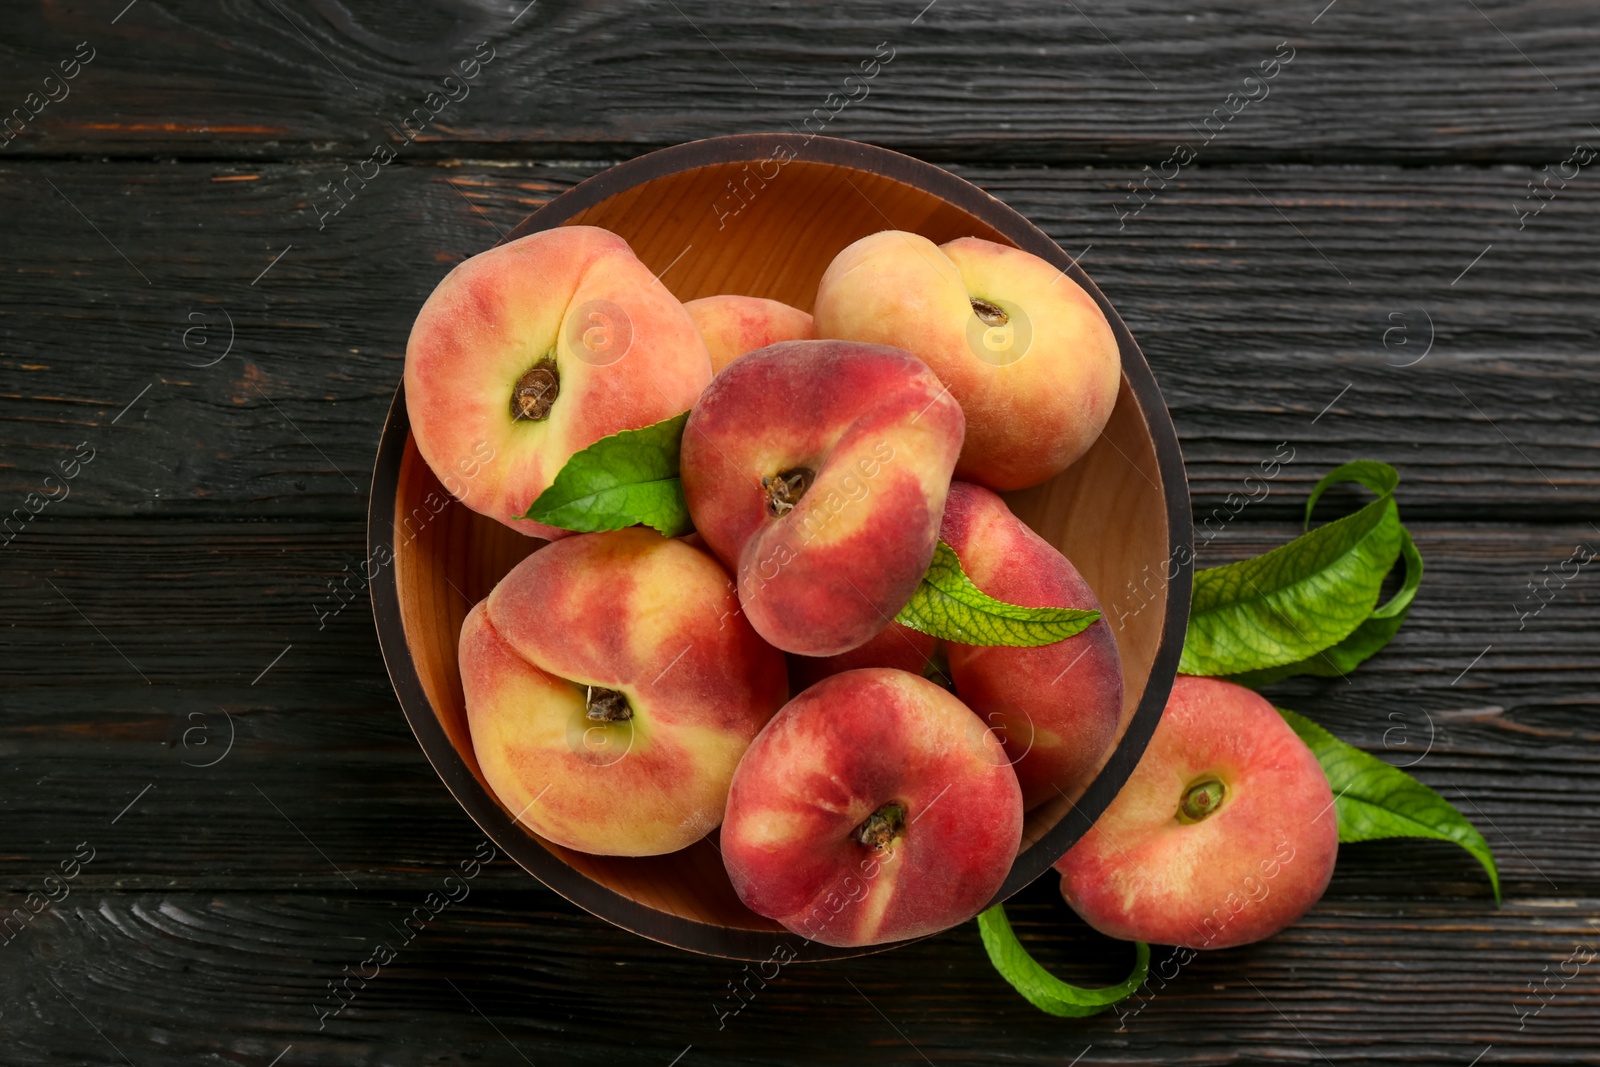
column 709, row 938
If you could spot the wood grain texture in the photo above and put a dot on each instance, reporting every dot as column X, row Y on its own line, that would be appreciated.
column 1254, row 336
column 174, row 977
column 1011, row 81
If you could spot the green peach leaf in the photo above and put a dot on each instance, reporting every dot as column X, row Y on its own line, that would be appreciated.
column 1301, row 598
column 1041, row 988
column 947, row 605
column 1379, row 477
column 1368, row 638
column 622, row 480
column 1375, row 800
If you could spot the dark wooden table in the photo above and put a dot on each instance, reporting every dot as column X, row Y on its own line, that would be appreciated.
column 1350, row 263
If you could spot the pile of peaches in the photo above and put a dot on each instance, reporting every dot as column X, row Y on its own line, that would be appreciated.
column 631, row 687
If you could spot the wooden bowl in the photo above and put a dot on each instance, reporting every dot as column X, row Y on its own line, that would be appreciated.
column 763, row 214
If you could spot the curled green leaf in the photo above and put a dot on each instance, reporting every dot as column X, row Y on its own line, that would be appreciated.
column 1041, row 988
column 1375, row 800
column 626, row 479
column 1302, row 598
column 1367, row 639
column 947, row 605
column 1379, row 477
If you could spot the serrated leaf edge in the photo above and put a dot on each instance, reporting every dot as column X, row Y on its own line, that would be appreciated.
column 946, row 577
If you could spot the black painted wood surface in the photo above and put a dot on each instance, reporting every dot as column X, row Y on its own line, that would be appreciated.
column 179, row 695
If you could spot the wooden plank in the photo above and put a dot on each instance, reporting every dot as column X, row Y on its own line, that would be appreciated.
column 323, row 760
column 1275, row 304
column 1013, row 81
column 169, row 977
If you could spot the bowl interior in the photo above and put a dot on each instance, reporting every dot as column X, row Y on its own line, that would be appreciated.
column 735, row 220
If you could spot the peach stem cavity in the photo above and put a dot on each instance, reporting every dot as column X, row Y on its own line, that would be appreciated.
column 606, row 705
column 535, row 392
column 882, row 826
column 785, row 489
column 989, row 314
column 1201, row 799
